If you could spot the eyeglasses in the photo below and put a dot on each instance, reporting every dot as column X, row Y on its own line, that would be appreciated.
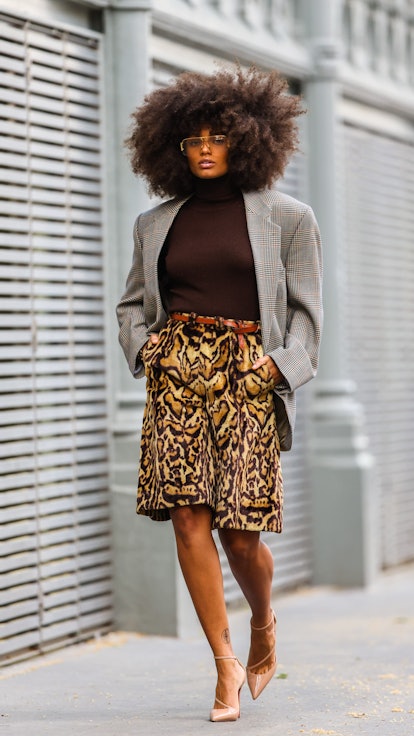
column 212, row 141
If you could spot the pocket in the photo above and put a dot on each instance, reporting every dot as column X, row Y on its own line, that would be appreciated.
column 265, row 375
column 150, row 349
column 146, row 350
column 257, row 382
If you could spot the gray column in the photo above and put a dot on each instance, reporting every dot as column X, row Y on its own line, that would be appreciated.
column 127, row 81
column 344, row 496
column 149, row 594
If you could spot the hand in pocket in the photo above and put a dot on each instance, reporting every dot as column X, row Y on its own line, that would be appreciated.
column 271, row 366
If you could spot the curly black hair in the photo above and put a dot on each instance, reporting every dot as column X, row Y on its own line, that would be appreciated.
column 252, row 107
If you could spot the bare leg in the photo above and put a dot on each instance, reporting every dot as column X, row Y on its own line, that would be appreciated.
column 200, row 565
column 251, row 563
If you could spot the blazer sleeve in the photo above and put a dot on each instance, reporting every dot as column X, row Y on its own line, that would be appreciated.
column 130, row 310
column 298, row 358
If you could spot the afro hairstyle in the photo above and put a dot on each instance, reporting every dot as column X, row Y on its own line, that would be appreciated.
column 252, row 107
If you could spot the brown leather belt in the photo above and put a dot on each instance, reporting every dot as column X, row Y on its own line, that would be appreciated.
column 238, row 326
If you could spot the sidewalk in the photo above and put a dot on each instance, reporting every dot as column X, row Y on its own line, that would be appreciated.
column 346, row 667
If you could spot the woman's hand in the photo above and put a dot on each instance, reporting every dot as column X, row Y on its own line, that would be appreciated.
column 153, row 338
column 274, row 371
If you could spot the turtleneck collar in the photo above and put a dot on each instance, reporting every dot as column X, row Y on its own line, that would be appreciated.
column 215, row 190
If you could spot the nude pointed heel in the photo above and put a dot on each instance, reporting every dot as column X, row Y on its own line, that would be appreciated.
column 228, row 712
column 258, row 682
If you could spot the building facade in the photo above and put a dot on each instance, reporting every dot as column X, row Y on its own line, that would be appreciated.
column 75, row 559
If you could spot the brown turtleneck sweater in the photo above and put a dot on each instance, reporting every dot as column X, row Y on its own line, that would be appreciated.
column 206, row 265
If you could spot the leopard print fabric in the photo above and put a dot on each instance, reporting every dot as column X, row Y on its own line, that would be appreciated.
column 209, row 432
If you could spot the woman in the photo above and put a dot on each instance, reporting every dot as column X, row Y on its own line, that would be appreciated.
column 222, row 311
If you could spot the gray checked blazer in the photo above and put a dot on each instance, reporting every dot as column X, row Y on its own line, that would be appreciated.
column 286, row 249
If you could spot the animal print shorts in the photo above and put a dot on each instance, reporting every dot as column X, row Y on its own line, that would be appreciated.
column 209, row 432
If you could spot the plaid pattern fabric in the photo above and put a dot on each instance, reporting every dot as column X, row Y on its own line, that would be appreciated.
column 286, row 249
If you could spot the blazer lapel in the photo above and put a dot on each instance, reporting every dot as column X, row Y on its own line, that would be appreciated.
column 155, row 233
column 265, row 238
column 158, row 227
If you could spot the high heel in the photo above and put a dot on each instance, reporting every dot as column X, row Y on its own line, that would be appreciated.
column 257, row 682
column 228, row 712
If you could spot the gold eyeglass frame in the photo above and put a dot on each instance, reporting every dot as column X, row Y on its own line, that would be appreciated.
column 204, row 139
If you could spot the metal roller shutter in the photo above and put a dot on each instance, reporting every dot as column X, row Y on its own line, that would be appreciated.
column 379, row 258
column 54, row 524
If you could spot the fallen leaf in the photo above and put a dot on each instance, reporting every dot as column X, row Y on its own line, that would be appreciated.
column 397, row 710
column 357, row 715
column 282, row 676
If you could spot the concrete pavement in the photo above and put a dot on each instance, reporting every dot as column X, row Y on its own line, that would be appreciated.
column 346, row 667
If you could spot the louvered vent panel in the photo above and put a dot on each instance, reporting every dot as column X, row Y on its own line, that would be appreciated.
column 54, row 522
column 379, row 257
